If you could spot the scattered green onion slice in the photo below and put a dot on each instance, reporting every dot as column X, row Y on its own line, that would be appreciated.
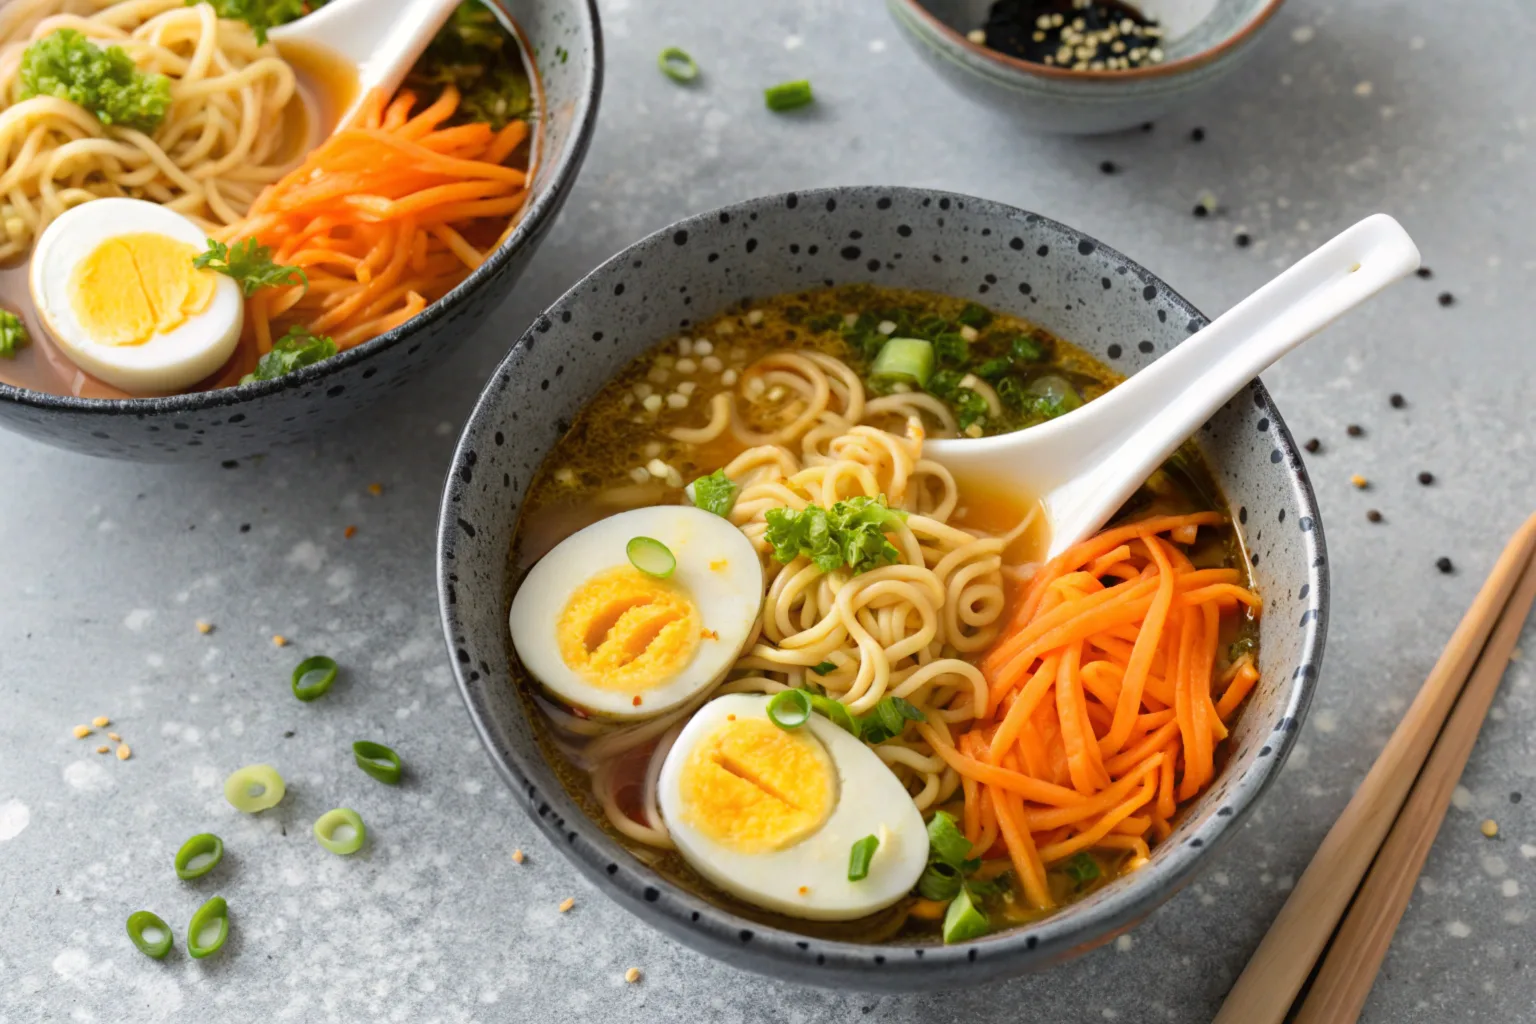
column 341, row 831
column 788, row 95
column 1082, row 868
column 945, row 840
column 199, row 855
column 963, row 920
column 677, row 65
column 253, row 788
column 939, row 881
column 859, row 857
column 789, row 709
column 908, row 360
column 651, row 557
column 211, row 915
column 150, row 934
column 836, row 712
column 823, row 668
column 377, row 760
column 313, row 677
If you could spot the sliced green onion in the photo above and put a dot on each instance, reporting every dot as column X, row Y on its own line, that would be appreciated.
column 908, row 360
column 1026, row 349
column 313, row 677
column 788, row 95
column 946, row 842
column 677, row 65
column 199, row 855
column 209, row 928
column 836, row 712
column 823, row 668
column 859, row 857
column 341, row 831
column 651, row 557
column 789, row 709
column 963, row 921
column 150, row 934
column 377, row 760
column 939, row 881
column 253, row 788
column 1082, row 869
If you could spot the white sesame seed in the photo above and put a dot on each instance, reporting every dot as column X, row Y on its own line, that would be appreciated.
column 685, row 346
column 677, row 401
column 755, row 317
column 686, row 366
column 565, row 476
column 756, row 387
column 643, row 391
column 657, row 375
column 977, row 36
column 639, row 475
column 886, row 327
column 674, row 478
column 686, row 387
column 728, row 378
column 651, row 450
column 969, row 333
column 657, row 468
column 652, row 403
column 711, row 364
column 703, row 347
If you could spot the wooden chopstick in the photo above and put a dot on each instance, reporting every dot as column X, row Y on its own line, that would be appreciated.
column 1349, row 970
column 1274, row 975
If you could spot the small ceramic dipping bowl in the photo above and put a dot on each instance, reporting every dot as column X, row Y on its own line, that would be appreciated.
column 255, row 418
column 1011, row 260
column 1205, row 41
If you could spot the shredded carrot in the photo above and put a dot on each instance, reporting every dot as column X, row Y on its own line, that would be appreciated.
column 386, row 217
column 1108, row 693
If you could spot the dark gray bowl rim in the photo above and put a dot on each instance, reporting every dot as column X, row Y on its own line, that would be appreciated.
column 1170, row 69
column 910, row 967
column 532, row 224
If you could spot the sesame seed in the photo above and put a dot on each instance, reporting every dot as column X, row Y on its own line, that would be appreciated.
column 114, row 737
column 754, row 318
column 375, row 489
column 102, row 750
column 279, row 640
column 704, row 346
column 1426, row 478
column 1489, row 828
column 1397, row 401
column 101, row 721
column 82, row 731
column 1355, row 430
column 517, row 856
column 570, row 901
column 1373, row 515
column 1200, row 210
column 1444, row 564
column 1242, row 240
column 1198, row 135
column 1313, row 445
column 349, row 532
column 123, row 753
column 1108, row 167
column 204, row 627
column 1447, row 299
column 1360, row 482
column 632, row 975
column 1424, row 273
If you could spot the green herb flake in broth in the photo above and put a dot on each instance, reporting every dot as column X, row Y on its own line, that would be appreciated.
column 13, row 334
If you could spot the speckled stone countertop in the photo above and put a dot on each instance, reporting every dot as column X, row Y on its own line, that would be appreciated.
column 106, row 568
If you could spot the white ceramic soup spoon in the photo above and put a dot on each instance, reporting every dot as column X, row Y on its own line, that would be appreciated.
column 381, row 38
column 1084, row 465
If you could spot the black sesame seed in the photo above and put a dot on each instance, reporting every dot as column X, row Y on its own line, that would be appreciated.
column 1147, row 126
column 1425, row 273
column 1355, row 430
column 1447, row 299
column 1398, row 401
column 1444, row 564
column 1198, row 135
column 1201, row 210
column 1514, row 798
column 1108, row 167
column 245, row 527
column 1426, row 478
column 1373, row 515
column 1313, row 445
column 1242, row 240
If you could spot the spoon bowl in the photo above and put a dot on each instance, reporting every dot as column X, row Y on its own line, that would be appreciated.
column 1084, row 465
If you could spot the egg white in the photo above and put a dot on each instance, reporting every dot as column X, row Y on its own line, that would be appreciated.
column 871, row 801
column 166, row 363
column 728, row 601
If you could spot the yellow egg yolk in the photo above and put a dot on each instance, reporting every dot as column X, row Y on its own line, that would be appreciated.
column 133, row 287
column 623, row 630
column 754, row 788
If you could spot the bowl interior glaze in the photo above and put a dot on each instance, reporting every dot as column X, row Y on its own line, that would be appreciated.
column 1009, row 259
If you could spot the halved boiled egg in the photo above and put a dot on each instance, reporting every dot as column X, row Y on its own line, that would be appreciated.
column 114, row 284
column 771, row 815
column 604, row 636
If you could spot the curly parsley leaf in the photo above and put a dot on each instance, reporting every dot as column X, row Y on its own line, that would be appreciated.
column 13, row 334
column 68, row 66
column 294, row 350
column 851, row 533
column 250, row 264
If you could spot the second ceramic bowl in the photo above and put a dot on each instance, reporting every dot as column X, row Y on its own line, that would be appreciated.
column 1006, row 258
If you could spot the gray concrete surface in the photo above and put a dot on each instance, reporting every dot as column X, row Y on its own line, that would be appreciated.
column 1413, row 107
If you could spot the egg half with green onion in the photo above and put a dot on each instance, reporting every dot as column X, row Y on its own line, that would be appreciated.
column 115, row 285
column 772, row 815
column 640, row 612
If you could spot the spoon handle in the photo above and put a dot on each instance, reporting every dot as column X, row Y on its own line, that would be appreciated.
column 1129, row 432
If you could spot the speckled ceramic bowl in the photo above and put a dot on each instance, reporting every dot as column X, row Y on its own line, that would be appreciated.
column 1206, row 40
column 1014, row 261
column 236, row 422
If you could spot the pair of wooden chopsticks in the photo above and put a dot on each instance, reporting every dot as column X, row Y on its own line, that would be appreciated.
column 1386, row 831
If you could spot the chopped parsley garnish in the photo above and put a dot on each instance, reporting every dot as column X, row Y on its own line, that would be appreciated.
column 261, row 15
column 851, row 533
column 294, row 350
column 13, row 334
column 250, row 264
column 68, row 66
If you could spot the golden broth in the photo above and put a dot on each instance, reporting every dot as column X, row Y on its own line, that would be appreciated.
column 598, row 469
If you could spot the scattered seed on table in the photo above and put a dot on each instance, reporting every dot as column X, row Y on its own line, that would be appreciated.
column 1201, row 210
column 1398, row 401
column 1447, row 299
column 279, row 640
column 82, row 731
column 114, row 737
column 349, row 532
column 1108, row 167
column 1313, row 445
column 517, row 856
column 101, row 721
column 1426, row 478
column 1444, row 564
column 1355, row 430
column 632, row 975
column 1425, row 273
column 123, row 753
column 1198, row 135
column 1146, row 126
column 1373, row 515
column 1242, row 240
column 1489, row 828
column 204, row 627
column 1515, row 797
column 375, row 489
column 102, row 750
column 1360, row 482
column 570, row 901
